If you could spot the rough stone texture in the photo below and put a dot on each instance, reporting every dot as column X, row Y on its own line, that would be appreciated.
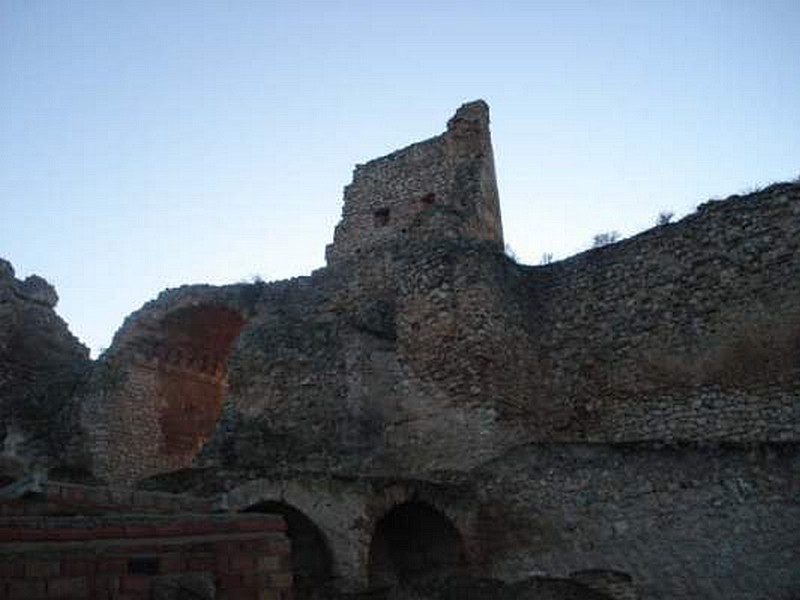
column 687, row 331
column 155, row 396
column 470, row 588
column 614, row 584
column 418, row 341
column 684, row 521
column 348, row 511
column 41, row 365
column 444, row 186
column 628, row 417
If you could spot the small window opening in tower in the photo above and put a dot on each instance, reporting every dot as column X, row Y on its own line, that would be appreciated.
column 381, row 217
column 428, row 199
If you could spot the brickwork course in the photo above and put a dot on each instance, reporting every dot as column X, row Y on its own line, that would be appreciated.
column 625, row 422
column 137, row 558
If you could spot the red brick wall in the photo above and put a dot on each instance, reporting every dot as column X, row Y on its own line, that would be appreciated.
column 127, row 557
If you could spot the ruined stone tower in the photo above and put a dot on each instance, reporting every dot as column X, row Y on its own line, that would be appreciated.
column 441, row 188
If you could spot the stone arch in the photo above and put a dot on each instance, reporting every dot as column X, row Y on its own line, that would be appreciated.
column 414, row 539
column 312, row 561
column 157, row 394
column 337, row 508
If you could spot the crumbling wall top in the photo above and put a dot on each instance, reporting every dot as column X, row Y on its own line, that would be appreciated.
column 438, row 189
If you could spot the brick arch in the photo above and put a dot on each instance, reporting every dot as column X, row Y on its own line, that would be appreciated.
column 166, row 383
column 190, row 359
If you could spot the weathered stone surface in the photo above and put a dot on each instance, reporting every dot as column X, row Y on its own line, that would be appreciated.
column 684, row 521
column 629, row 417
column 37, row 289
column 443, row 187
column 471, row 588
column 41, row 365
column 156, row 395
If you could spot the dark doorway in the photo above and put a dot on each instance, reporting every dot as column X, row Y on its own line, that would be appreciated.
column 312, row 566
column 412, row 540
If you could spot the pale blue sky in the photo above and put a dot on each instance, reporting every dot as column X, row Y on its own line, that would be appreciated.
column 147, row 144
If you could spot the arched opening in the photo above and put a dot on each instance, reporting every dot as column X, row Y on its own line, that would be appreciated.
column 190, row 355
column 159, row 390
column 412, row 540
column 312, row 564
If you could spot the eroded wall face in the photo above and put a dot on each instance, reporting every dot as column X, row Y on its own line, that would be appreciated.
column 684, row 522
column 402, row 360
column 422, row 350
column 191, row 366
column 165, row 392
column 442, row 188
column 41, row 366
column 392, row 365
column 685, row 332
column 421, row 339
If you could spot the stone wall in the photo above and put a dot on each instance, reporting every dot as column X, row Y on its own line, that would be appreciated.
column 397, row 358
column 403, row 360
column 682, row 521
column 632, row 410
column 686, row 331
column 348, row 512
column 156, row 395
column 41, row 366
column 135, row 557
column 442, row 188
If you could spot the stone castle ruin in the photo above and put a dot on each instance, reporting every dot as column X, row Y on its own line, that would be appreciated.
column 423, row 417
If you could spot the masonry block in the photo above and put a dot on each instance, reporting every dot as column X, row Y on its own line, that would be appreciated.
column 137, row 584
column 136, row 531
column 42, row 569
column 268, row 564
column 12, row 568
column 172, row 563
column 108, row 532
column 106, row 583
column 76, row 567
column 26, row 589
column 67, row 587
column 73, row 495
column 112, row 566
column 242, row 562
column 230, row 581
column 281, row 580
column 201, row 563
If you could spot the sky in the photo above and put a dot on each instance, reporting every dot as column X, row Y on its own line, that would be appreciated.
column 147, row 144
